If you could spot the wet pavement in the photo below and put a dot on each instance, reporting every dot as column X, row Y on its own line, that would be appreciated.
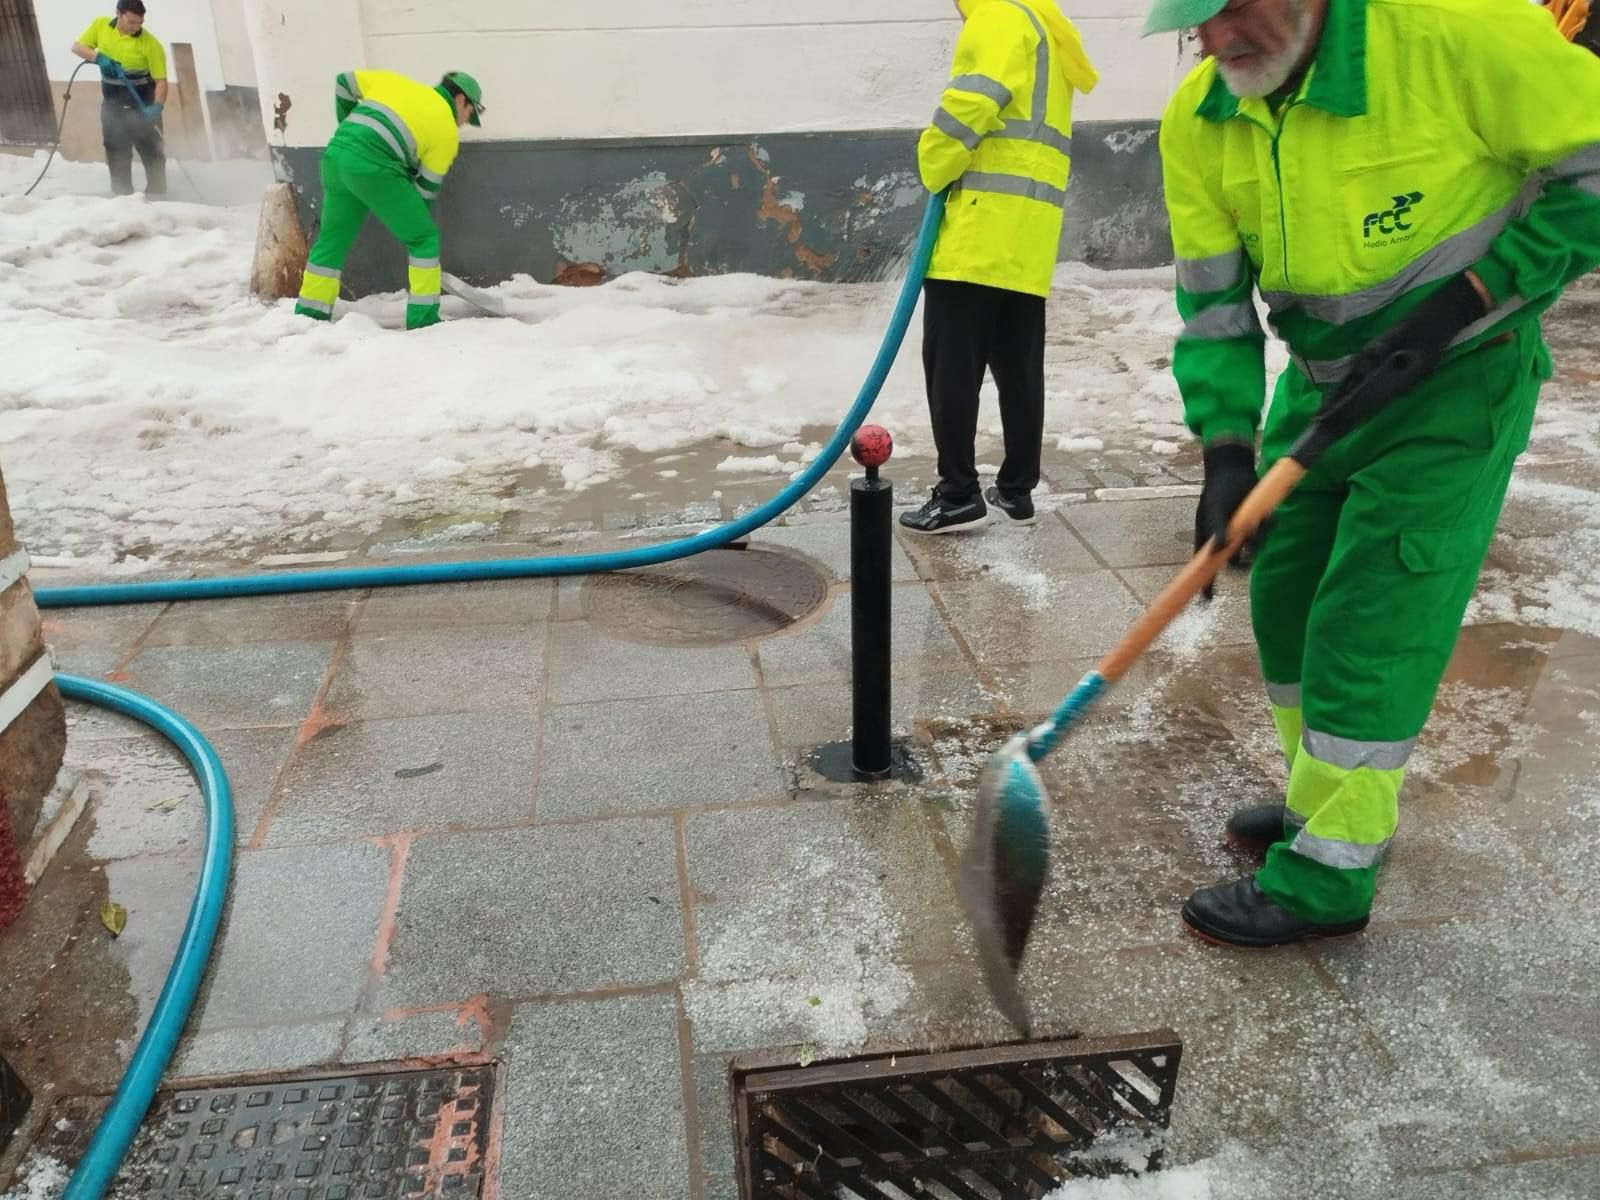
column 474, row 823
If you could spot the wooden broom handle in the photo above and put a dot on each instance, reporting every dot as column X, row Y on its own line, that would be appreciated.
column 1268, row 493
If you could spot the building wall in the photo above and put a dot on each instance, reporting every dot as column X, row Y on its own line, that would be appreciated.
column 699, row 135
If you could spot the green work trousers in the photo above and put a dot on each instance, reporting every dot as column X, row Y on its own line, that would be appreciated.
column 1357, row 597
column 355, row 181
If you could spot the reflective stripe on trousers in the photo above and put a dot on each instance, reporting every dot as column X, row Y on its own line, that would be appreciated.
column 319, row 289
column 424, row 279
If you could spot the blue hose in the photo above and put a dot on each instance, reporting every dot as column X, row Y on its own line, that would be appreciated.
column 138, row 1087
column 282, row 582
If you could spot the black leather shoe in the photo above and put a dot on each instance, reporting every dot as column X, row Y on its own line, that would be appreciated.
column 1257, row 827
column 1239, row 914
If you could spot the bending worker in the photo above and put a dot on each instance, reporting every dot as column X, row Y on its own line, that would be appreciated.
column 1001, row 140
column 133, row 88
column 1392, row 179
column 395, row 141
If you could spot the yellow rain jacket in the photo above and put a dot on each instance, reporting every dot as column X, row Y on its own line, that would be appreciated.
column 1002, row 140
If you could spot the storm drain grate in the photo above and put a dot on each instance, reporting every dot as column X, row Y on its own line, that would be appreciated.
column 1005, row 1123
column 716, row 598
column 348, row 1137
column 14, row 1102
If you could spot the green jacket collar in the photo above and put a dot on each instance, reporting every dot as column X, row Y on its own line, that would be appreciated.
column 1337, row 80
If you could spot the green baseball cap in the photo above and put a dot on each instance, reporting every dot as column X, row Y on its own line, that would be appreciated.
column 1169, row 15
column 468, row 87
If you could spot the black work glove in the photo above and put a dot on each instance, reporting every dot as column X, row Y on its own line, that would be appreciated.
column 1396, row 361
column 1230, row 474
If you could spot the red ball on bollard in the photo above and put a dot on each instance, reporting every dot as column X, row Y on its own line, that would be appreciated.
column 871, row 446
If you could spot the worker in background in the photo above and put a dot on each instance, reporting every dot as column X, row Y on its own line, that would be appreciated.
column 133, row 87
column 396, row 140
column 1407, row 187
column 1001, row 140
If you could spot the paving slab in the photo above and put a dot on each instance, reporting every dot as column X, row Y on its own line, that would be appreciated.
column 107, row 628
column 441, row 670
column 1027, row 557
column 806, row 914
column 257, row 1051
column 1224, row 620
column 456, row 771
column 424, row 606
column 1141, row 533
column 233, row 687
column 535, row 912
column 1270, row 1052
column 828, row 542
column 388, row 1037
column 1083, row 614
column 1491, row 1024
column 90, row 663
column 587, row 665
column 613, row 758
column 143, row 797
column 1038, row 687
column 594, row 1102
column 297, row 936
column 919, row 637
column 816, row 714
column 320, row 616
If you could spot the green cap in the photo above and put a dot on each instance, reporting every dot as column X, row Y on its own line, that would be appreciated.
column 1169, row 15
column 468, row 87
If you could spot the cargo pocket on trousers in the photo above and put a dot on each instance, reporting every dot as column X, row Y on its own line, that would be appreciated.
column 1432, row 551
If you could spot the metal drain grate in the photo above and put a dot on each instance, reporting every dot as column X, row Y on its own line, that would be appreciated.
column 1006, row 1123
column 14, row 1099
column 420, row 1133
column 718, row 597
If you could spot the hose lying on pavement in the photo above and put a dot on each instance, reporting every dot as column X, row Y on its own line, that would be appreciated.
column 117, row 1127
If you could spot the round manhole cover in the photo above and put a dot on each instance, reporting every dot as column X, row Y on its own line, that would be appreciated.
column 715, row 598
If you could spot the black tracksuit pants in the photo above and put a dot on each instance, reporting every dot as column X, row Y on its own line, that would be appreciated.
column 967, row 327
column 123, row 129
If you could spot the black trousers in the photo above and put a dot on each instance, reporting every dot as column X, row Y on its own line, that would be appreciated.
column 967, row 328
column 123, row 129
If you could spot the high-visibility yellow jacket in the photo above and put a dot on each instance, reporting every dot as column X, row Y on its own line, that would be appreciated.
column 411, row 122
column 1002, row 140
column 1428, row 137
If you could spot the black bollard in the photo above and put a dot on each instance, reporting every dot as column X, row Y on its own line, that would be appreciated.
column 871, row 555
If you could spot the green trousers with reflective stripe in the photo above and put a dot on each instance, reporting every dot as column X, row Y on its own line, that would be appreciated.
column 1357, row 598
column 354, row 183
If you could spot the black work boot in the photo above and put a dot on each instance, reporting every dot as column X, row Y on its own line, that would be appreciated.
column 1240, row 914
column 1257, row 826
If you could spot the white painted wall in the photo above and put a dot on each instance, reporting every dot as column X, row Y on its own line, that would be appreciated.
column 662, row 68
column 233, row 42
column 61, row 21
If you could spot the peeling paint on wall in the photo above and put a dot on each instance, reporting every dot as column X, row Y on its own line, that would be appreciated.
column 629, row 229
column 830, row 207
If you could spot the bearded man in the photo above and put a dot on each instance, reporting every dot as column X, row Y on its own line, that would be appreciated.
column 1389, row 176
